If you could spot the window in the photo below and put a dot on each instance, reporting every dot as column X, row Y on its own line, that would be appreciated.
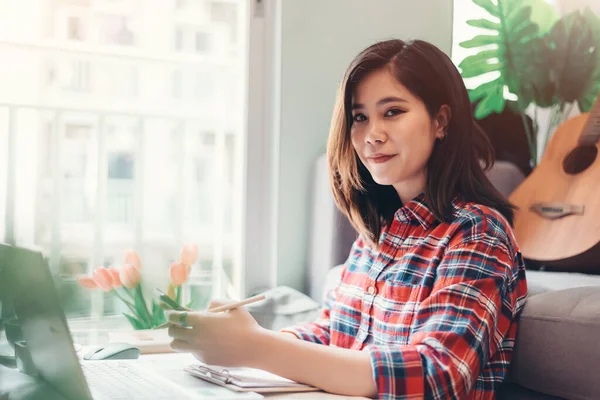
column 75, row 28
column 205, row 86
column 75, row 75
column 179, row 37
column 225, row 13
column 114, row 30
column 202, row 42
column 176, row 89
column 120, row 156
column 75, row 169
column 120, row 165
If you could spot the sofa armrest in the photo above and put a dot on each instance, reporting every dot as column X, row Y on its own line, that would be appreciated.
column 557, row 349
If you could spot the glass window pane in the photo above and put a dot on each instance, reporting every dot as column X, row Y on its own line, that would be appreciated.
column 131, row 148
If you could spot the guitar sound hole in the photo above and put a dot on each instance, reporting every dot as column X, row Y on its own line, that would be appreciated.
column 579, row 159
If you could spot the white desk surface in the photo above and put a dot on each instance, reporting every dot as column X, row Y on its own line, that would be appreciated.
column 176, row 359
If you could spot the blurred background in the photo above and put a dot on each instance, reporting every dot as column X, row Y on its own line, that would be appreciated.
column 142, row 124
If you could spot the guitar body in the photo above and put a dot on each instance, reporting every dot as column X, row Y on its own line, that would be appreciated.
column 567, row 178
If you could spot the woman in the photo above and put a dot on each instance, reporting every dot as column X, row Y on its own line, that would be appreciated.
column 430, row 294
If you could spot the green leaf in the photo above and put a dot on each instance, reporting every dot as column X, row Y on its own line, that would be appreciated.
column 158, row 315
column 484, row 23
column 492, row 102
column 480, row 40
column 482, row 56
column 190, row 304
column 483, row 89
column 480, row 69
column 543, row 14
column 178, row 295
column 519, row 18
column 140, row 305
column 574, row 59
column 511, row 57
column 524, row 34
column 488, row 6
column 588, row 97
column 137, row 325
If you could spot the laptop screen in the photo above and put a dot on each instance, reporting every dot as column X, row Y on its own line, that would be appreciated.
column 29, row 284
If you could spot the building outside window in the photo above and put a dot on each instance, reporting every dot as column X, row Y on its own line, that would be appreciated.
column 119, row 156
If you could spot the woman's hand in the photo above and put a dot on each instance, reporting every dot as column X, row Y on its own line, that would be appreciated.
column 227, row 339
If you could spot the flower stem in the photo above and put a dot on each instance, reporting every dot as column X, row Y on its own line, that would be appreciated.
column 556, row 117
column 127, row 303
column 143, row 304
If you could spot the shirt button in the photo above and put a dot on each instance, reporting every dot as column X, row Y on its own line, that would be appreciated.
column 371, row 290
column 362, row 335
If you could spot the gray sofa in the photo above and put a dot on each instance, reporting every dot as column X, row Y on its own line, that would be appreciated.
column 558, row 342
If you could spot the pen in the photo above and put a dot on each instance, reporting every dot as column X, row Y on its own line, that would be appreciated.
column 226, row 307
column 237, row 304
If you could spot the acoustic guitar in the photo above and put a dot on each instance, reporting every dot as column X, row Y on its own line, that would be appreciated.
column 557, row 223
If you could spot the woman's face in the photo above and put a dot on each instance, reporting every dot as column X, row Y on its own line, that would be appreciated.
column 393, row 133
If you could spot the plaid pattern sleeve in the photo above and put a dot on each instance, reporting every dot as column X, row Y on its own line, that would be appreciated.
column 471, row 307
column 316, row 331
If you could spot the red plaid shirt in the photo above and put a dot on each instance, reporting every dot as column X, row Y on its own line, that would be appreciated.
column 435, row 307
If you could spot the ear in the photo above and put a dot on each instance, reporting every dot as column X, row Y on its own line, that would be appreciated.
column 442, row 121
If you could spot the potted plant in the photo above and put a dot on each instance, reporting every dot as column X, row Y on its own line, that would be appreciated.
column 539, row 61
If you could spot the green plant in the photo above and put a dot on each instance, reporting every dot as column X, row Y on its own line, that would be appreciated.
column 538, row 58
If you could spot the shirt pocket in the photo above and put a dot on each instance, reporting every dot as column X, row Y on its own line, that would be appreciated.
column 393, row 313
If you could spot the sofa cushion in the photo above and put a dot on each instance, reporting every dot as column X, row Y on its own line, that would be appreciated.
column 548, row 281
column 557, row 349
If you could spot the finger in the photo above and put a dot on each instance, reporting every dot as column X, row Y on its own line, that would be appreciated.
column 182, row 346
column 181, row 318
column 184, row 334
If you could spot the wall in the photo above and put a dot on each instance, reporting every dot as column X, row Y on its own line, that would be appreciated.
column 318, row 40
column 566, row 6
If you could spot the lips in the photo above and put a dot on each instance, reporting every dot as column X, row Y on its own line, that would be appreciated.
column 380, row 158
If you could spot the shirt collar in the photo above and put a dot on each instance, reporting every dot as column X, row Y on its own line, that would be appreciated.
column 417, row 209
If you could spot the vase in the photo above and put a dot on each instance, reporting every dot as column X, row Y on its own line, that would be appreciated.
column 149, row 341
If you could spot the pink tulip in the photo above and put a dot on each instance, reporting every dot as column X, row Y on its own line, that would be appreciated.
column 189, row 253
column 116, row 280
column 179, row 274
column 132, row 257
column 103, row 278
column 130, row 276
column 87, row 282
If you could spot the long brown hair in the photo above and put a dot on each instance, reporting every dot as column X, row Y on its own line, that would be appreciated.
column 455, row 163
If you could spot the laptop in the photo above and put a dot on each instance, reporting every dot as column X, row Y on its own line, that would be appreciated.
column 36, row 305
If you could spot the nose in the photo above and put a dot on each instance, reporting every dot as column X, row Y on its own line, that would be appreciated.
column 375, row 133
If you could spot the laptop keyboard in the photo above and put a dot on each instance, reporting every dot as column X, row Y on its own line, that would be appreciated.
column 118, row 380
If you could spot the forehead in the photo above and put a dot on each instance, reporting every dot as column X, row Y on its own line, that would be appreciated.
column 378, row 85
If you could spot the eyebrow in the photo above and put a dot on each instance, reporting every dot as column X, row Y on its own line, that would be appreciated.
column 381, row 102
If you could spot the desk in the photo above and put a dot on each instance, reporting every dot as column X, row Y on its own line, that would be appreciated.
column 22, row 387
column 179, row 361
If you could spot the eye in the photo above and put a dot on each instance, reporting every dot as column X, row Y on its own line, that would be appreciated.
column 359, row 118
column 392, row 112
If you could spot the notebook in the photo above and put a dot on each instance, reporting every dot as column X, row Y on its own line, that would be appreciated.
column 246, row 379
